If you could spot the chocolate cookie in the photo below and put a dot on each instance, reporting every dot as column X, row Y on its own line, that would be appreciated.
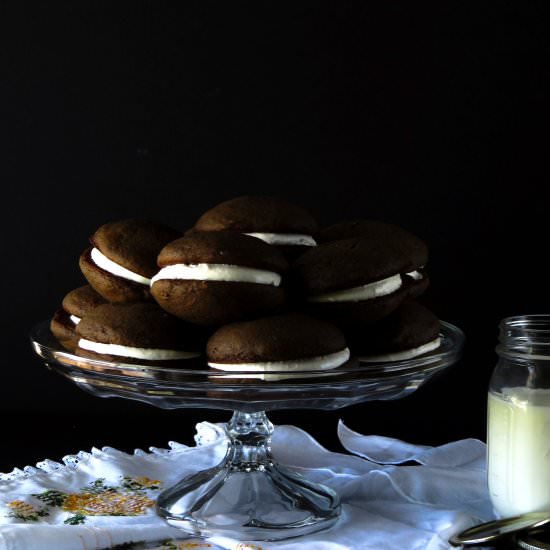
column 122, row 260
column 271, row 219
column 283, row 343
column 138, row 333
column 356, row 280
column 218, row 277
column 74, row 306
column 410, row 331
column 386, row 233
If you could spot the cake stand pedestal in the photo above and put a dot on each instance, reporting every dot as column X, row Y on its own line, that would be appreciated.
column 248, row 496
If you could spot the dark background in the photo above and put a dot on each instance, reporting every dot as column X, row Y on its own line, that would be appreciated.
column 429, row 118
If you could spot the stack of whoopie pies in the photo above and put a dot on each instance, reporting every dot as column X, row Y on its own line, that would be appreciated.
column 255, row 287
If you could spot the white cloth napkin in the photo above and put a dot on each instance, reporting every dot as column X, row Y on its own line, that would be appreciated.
column 104, row 498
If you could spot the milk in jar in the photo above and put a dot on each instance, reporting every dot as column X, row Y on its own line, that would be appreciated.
column 518, row 417
column 518, row 450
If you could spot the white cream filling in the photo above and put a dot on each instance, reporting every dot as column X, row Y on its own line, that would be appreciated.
column 319, row 363
column 150, row 354
column 402, row 355
column 416, row 275
column 75, row 319
column 285, row 238
column 364, row 292
column 112, row 267
column 218, row 272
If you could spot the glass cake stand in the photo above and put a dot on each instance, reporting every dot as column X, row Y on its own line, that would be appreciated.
column 249, row 496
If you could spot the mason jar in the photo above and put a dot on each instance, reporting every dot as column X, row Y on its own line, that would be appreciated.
column 518, row 418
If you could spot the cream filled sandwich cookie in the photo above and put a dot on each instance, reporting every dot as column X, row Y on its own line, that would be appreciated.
column 271, row 219
column 213, row 278
column 377, row 231
column 353, row 280
column 139, row 333
column 75, row 305
column 276, row 348
column 122, row 259
column 411, row 331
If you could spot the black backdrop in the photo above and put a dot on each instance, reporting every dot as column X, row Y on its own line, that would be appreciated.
column 429, row 118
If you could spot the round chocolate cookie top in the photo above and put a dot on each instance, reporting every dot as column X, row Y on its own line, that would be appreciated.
column 134, row 243
column 81, row 300
column 410, row 326
column 349, row 263
column 140, row 325
column 76, row 304
column 222, row 248
column 377, row 231
column 252, row 213
column 278, row 338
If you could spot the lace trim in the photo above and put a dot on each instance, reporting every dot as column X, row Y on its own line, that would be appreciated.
column 206, row 434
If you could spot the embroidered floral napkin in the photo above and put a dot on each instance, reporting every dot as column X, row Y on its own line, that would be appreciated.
column 105, row 498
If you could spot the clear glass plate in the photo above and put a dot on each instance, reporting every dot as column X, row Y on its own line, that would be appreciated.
column 248, row 496
column 171, row 387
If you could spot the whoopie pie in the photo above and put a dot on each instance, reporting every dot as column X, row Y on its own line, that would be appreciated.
column 287, row 343
column 384, row 232
column 356, row 280
column 138, row 332
column 271, row 219
column 123, row 258
column 74, row 306
column 217, row 277
column 410, row 331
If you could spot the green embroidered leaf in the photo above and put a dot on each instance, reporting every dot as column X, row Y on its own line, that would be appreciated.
column 77, row 519
column 51, row 497
column 29, row 516
column 97, row 487
column 140, row 483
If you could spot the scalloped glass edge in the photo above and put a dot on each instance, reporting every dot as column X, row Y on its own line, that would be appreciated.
column 46, row 346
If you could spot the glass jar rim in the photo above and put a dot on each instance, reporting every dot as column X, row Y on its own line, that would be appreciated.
column 531, row 323
column 525, row 337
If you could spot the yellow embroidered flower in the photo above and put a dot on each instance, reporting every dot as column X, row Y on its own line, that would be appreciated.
column 21, row 507
column 140, row 483
column 24, row 511
column 147, row 482
column 107, row 504
column 183, row 545
column 192, row 545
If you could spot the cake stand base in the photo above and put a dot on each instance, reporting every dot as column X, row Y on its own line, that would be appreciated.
column 248, row 496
